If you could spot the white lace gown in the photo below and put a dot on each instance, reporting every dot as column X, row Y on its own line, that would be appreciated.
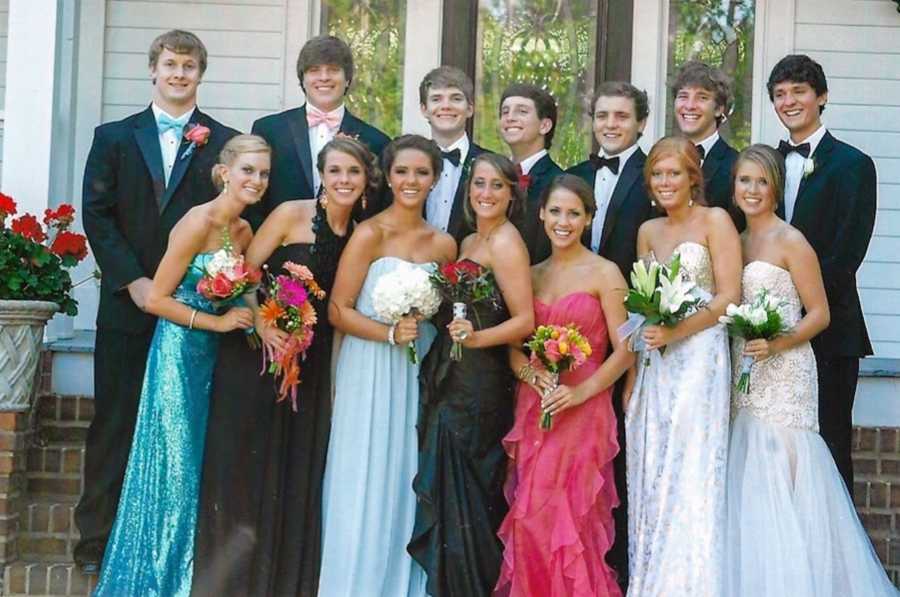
column 677, row 446
column 792, row 527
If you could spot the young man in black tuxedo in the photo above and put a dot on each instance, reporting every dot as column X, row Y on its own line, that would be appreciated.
column 325, row 71
column 616, row 173
column 447, row 101
column 527, row 123
column 142, row 175
column 702, row 99
column 830, row 196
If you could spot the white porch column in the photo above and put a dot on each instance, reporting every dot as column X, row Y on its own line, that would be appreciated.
column 422, row 53
column 30, row 83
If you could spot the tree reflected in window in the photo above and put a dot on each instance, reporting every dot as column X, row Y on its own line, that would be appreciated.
column 719, row 33
column 550, row 43
column 375, row 31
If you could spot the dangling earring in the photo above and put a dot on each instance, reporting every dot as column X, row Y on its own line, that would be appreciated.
column 653, row 203
column 323, row 198
column 691, row 202
column 364, row 202
column 225, row 187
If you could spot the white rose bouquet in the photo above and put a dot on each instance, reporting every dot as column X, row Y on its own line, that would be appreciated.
column 757, row 320
column 405, row 291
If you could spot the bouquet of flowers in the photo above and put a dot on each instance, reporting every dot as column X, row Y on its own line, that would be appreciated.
column 405, row 291
column 465, row 283
column 34, row 259
column 226, row 276
column 288, row 307
column 659, row 295
column 557, row 348
column 757, row 320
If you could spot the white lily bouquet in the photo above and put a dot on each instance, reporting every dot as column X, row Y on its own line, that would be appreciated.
column 758, row 320
column 405, row 291
column 659, row 295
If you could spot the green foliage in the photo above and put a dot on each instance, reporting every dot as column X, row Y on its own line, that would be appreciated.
column 551, row 44
column 29, row 271
column 374, row 30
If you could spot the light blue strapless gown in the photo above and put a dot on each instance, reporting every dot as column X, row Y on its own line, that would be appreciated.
column 151, row 549
column 368, row 502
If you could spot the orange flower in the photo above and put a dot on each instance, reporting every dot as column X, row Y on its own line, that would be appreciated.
column 308, row 313
column 271, row 312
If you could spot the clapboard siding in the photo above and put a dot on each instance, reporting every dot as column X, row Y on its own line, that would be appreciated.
column 246, row 45
column 858, row 44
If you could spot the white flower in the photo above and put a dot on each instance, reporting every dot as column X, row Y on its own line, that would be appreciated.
column 732, row 310
column 809, row 166
column 406, row 288
column 757, row 316
column 221, row 261
column 673, row 294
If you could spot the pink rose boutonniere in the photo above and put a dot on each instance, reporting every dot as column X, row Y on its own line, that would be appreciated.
column 198, row 135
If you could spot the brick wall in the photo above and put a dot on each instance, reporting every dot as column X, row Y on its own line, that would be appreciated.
column 876, row 461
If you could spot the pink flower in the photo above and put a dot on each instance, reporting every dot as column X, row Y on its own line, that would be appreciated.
column 221, row 285
column 197, row 134
column 291, row 292
column 551, row 351
column 301, row 272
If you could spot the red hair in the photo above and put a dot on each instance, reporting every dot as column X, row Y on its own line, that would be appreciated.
column 683, row 149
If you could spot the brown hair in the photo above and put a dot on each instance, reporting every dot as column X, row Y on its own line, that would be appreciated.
column 357, row 151
column 698, row 74
column 507, row 171
column 237, row 146
column 573, row 184
column 543, row 101
column 444, row 77
column 681, row 148
column 325, row 49
column 772, row 163
column 626, row 90
column 180, row 42
column 418, row 142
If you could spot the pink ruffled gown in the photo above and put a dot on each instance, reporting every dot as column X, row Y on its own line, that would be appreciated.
column 560, row 486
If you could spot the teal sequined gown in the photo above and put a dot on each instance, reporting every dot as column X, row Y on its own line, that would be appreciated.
column 151, row 549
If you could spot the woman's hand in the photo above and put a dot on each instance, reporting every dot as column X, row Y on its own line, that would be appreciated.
column 462, row 331
column 274, row 339
column 759, row 349
column 657, row 336
column 562, row 398
column 406, row 330
column 236, row 318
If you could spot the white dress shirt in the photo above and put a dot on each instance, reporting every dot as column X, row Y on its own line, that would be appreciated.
column 319, row 136
column 439, row 204
column 793, row 166
column 707, row 145
column 169, row 141
column 528, row 163
column 604, row 184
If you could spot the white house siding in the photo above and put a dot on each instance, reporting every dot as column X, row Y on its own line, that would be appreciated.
column 4, row 21
column 245, row 39
column 858, row 44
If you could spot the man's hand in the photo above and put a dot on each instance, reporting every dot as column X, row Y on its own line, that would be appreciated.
column 139, row 290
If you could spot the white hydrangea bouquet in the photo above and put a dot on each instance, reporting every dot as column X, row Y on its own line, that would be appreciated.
column 405, row 291
column 756, row 320
column 659, row 295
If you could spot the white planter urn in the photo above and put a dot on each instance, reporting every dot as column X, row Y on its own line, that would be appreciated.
column 21, row 336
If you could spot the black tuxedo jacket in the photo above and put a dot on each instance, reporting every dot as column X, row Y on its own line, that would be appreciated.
column 717, row 168
column 457, row 226
column 835, row 211
column 292, row 161
column 532, row 229
column 628, row 208
column 129, row 210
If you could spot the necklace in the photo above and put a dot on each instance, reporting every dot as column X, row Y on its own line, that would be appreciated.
column 488, row 236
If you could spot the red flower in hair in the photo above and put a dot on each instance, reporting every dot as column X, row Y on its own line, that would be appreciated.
column 69, row 243
column 28, row 226
column 62, row 217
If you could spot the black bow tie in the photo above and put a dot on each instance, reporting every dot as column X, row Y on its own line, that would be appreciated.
column 599, row 161
column 453, row 156
column 702, row 151
column 786, row 148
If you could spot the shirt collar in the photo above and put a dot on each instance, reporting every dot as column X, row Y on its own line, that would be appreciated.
column 184, row 118
column 708, row 143
column 462, row 144
column 622, row 155
column 813, row 139
column 528, row 163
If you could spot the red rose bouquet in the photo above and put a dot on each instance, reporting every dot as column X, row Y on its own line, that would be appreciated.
column 465, row 283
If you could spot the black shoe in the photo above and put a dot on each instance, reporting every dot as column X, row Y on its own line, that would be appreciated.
column 88, row 567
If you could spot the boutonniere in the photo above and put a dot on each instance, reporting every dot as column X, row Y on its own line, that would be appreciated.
column 809, row 166
column 343, row 135
column 198, row 135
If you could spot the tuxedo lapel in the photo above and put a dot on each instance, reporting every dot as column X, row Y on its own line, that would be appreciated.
column 631, row 171
column 457, row 214
column 804, row 202
column 181, row 162
column 300, row 136
column 351, row 125
column 146, row 135
column 713, row 160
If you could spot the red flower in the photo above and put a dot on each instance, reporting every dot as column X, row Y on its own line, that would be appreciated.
column 221, row 285
column 62, row 217
column 28, row 226
column 197, row 134
column 7, row 206
column 449, row 272
column 467, row 268
column 69, row 243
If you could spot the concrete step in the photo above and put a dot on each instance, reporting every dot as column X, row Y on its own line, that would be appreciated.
column 51, row 579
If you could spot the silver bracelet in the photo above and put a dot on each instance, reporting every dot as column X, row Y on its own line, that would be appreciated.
column 391, row 329
column 193, row 315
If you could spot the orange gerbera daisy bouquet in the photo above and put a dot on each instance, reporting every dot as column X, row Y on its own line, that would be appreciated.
column 288, row 307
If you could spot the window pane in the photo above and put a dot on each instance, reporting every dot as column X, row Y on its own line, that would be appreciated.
column 549, row 43
column 375, row 31
column 719, row 33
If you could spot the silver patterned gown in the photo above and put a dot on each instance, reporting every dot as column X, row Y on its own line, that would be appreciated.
column 792, row 527
column 676, row 429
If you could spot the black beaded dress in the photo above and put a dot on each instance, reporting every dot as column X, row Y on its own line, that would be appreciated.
column 259, row 520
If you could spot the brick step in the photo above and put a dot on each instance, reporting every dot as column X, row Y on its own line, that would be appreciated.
column 52, row 432
column 51, row 579
column 65, row 408
column 43, row 486
column 57, row 457
column 48, row 531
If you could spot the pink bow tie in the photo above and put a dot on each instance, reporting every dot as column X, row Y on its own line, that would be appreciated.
column 315, row 117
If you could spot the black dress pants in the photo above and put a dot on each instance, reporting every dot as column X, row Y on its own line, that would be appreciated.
column 837, row 389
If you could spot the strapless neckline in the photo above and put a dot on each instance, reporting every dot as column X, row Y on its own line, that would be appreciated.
column 388, row 257
column 675, row 250
column 565, row 296
column 759, row 261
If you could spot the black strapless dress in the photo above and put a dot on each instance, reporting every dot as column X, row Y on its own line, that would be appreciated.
column 259, row 521
column 465, row 410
